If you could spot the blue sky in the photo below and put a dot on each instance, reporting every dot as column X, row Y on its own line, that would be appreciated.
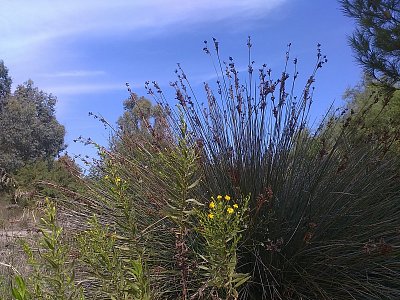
column 85, row 51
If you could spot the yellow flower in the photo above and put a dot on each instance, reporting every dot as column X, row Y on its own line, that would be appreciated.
column 106, row 177
column 227, row 197
column 212, row 204
column 230, row 210
column 210, row 216
column 235, row 205
column 117, row 180
column 219, row 197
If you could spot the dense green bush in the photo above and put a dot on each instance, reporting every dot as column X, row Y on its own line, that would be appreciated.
column 39, row 179
column 45, row 178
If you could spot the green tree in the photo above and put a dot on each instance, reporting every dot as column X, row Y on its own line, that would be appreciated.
column 5, row 83
column 142, row 120
column 29, row 129
column 376, row 40
column 137, row 114
column 374, row 114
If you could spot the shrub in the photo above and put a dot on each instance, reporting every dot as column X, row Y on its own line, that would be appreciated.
column 52, row 274
column 221, row 226
column 313, row 216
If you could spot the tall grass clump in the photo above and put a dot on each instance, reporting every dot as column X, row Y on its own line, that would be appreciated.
column 324, row 209
column 239, row 197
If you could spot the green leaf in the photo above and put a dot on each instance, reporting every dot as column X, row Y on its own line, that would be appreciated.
column 20, row 281
column 203, row 257
column 194, row 201
column 240, row 280
column 20, row 292
column 194, row 184
column 16, row 294
column 203, row 268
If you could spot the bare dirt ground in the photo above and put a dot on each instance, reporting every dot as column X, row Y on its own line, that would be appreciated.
column 8, row 234
column 15, row 223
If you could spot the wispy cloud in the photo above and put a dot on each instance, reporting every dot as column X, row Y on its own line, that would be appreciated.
column 85, row 88
column 75, row 73
column 45, row 39
column 24, row 25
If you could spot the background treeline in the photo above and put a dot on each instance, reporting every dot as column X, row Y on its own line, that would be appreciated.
column 31, row 139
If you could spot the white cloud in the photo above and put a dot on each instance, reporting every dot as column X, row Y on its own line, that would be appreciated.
column 84, row 88
column 37, row 37
column 75, row 73
column 25, row 25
